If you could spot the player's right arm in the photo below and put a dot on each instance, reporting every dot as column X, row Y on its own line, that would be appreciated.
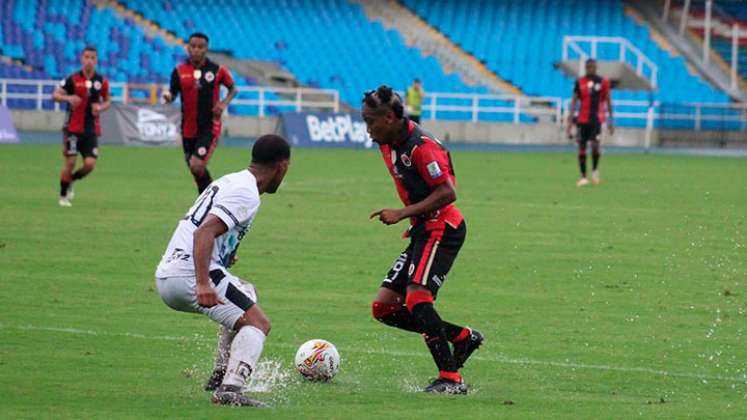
column 174, row 87
column 204, row 238
column 65, row 92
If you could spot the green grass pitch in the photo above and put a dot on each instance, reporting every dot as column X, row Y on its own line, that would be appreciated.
column 623, row 300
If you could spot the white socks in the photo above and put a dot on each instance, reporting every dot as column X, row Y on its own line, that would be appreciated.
column 245, row 351
column 224, row 348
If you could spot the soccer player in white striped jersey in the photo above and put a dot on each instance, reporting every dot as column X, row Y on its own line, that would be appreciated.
column 193, row 277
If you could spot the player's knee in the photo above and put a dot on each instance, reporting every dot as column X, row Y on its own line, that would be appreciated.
column 262, row 324
column 416, row 297
column 197, row 168
column 381, row 310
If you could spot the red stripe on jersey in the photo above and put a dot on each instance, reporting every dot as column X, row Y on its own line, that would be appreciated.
column 80, row 120
column 188, row 90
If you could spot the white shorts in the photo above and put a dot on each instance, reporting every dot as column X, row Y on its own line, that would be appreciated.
column 179, row 294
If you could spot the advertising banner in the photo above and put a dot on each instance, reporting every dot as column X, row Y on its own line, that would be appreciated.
column 8, row 132
column 325, row 129
column 141, row 124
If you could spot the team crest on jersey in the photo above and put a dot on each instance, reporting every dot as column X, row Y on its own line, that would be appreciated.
column 209, row 76
column 89, row 84
column 201, row 151
column 597, row 87
column 434, row 170
column 405, row 160
column 589, row 84
column 97, row 85
column 197, row 74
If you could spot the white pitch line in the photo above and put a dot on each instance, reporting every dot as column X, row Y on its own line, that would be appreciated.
column 486, row 358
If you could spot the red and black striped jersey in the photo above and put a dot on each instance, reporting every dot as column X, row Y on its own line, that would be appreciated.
column 419, row 163
column 200, row 90
column 80, row 120
column 593, row 92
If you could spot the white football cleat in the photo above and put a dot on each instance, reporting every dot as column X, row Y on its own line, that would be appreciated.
column 595, row 178
column 582, row 182
column 65, row 202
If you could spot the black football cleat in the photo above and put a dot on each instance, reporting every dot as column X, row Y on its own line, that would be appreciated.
column 215, row 380
column 464, row 349
column 446, row 386
column 231, row 395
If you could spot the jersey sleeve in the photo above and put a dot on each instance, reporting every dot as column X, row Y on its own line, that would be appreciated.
column 432, row 163
column 68, row 85
column 235, row 207
column 224, row 77
column 175, row 85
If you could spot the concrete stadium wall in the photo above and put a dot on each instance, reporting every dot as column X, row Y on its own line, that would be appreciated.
column 448, row 131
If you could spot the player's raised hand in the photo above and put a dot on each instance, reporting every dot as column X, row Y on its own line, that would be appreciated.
column 387, row 216
column 74, row 100
column 207, row 297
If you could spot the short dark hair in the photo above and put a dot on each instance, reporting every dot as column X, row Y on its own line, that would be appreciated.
column 91, row 48
column 270, row 149
column 591, row 61
column 199, row 35
column 384, row 99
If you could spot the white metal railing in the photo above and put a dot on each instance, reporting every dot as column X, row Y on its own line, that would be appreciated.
column 262, row 97
column 480, row 106
column 299, row 99
column 470, row 107
column 585, row 47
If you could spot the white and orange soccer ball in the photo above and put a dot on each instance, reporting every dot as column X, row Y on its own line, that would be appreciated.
column 317, row 360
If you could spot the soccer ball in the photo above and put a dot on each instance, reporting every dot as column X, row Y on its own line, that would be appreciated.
column 317, row 360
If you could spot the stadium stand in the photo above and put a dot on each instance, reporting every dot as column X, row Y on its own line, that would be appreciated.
column 332, row 44
column 499, row 33
column 49, row 35
column 324, row 43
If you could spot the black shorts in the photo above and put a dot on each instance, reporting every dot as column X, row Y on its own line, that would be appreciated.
column 427, row 260
column 203, row 145
column 588, row 132
column 85, row 144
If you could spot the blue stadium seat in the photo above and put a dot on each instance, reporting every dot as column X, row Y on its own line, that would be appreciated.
column 520, row 40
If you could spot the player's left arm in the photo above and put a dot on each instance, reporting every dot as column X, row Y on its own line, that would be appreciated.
column 225, row 78
column 106, row 100
column 432, row 163
column 608, row 100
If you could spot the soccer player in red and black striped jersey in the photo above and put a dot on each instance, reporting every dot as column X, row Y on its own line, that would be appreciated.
column 424, row 176
column 198, row 80
column 87, row 95
column 593, row 94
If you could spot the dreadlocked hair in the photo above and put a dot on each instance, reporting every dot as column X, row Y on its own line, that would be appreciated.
column 384, row 99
